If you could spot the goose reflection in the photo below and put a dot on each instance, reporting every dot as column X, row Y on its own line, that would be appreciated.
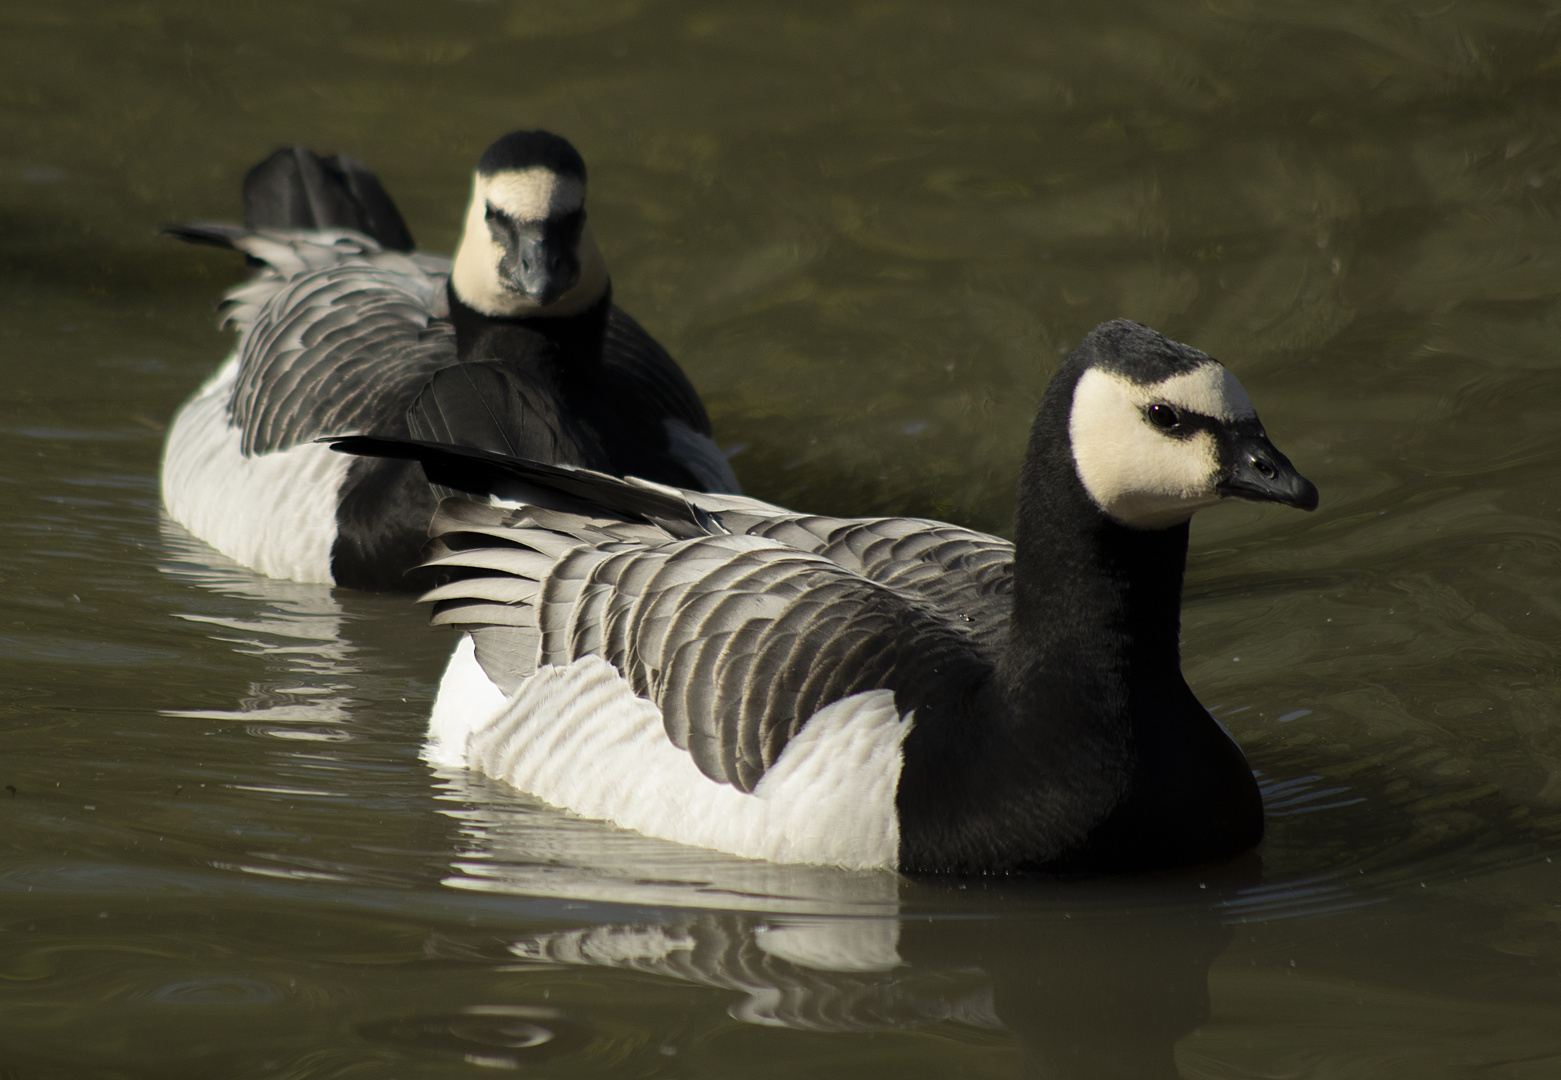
column 1090, row 979
column 295, row 627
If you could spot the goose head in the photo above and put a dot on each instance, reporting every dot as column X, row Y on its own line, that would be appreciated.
column 526, row 248
column 1159, row 430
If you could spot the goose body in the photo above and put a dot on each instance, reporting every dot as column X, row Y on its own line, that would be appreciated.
column 344, row 329
column 868, row 693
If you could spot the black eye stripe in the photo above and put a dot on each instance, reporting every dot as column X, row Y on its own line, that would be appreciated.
column 501, row 225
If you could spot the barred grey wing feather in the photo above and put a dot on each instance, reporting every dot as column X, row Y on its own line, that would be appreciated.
column 962, row 574
column 631, row 575
column 561, row 589
column 335, row 336
column 500, row 590
column 464, row 612
column 511, row 559
column 507, row 654
column 738, row 639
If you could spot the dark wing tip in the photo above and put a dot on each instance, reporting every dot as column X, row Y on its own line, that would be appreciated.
column 213, row 233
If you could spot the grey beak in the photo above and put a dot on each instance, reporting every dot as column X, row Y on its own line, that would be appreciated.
column 1257, row 471
column 545, row 264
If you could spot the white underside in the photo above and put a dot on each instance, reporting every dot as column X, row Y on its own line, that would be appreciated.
column 275, row 513
column 577, row 737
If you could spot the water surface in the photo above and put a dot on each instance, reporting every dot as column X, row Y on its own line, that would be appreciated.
column 868, row 231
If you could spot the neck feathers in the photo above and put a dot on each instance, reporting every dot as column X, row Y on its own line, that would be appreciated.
column 577, row 340
column 1051, row 750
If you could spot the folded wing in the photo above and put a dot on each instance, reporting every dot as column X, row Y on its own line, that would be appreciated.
column 738, row 639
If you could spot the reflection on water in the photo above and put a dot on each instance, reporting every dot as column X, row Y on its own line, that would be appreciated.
column 297, row 631
column 492, row 1036
column 514, row 844
column 1081, row 991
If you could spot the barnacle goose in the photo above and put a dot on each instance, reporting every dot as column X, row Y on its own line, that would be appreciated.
column 876, row 692
column 342, row 326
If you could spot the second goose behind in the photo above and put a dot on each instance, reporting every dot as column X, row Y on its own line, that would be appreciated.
column 342, row 328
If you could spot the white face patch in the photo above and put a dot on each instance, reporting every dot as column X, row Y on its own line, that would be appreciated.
column 525, row 195
column 1139, row 475
column 533, row 194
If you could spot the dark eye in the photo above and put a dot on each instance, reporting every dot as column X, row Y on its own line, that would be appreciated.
column 1164, row 417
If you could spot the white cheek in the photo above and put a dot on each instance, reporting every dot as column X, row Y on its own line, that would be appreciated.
column 476, row 271
column 1137, row 475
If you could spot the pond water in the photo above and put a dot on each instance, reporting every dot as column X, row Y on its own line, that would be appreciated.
column 868, row 231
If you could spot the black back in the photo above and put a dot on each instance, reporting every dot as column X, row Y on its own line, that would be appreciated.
column 614, row 402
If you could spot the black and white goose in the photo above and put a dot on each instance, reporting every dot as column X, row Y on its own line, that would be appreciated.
column 342, row 327
column 877, row 692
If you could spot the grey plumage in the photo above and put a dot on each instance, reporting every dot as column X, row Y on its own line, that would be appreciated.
column 740, row 632
column 333, row 331
column 338, row 334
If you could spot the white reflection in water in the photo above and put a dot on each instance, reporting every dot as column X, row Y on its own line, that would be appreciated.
column 807, row 974
column 295, row 626
column 518, row 845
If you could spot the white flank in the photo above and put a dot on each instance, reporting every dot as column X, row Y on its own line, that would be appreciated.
column 467, row 701
column 578, row 737
column 275, row 513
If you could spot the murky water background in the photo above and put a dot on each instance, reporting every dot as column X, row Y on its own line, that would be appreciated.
column 867, row 230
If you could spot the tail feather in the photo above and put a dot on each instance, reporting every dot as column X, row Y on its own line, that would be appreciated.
column 214, row 233
column 295, row 188
column 478, row 472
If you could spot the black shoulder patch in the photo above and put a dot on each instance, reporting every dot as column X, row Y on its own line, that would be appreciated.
column 656, row 381
column 381, row 525
column 524, row 149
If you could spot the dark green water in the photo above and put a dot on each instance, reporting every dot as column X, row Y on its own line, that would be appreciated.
column 867, row 230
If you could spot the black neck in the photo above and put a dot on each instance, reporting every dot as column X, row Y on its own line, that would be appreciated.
column 1087, row 735
column 577, row 338
column 1090, row 594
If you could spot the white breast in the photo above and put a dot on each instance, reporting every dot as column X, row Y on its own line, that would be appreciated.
column 275, row 513
column 577, row 737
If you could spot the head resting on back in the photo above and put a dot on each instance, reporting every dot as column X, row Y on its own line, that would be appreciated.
column 1159, row 430
column 526, row 248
